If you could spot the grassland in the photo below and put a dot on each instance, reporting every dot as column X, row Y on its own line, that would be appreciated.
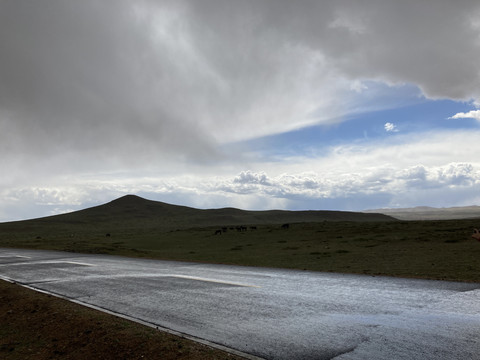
column 370, row 244
column 337, row 242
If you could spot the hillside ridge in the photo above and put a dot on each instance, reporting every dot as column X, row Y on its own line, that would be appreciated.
column 138, row 211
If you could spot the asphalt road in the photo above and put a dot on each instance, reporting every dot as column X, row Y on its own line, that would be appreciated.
column 269, row 313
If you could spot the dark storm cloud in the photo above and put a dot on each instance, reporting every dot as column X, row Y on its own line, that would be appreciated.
column 433, row 44
column 173, row 78
column 85, row 76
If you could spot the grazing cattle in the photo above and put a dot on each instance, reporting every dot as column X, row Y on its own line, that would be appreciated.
column 218, row 232
column 253, row 228
column 107, row 234
column 476, row 234
column 224, row 229
column 285, row 226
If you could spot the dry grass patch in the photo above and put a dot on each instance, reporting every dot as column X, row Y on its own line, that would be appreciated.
column 39, row 326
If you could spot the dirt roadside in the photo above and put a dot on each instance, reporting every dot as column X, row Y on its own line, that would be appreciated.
column 39, row 326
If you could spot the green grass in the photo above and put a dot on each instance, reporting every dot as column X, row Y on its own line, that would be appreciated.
column 425, row 249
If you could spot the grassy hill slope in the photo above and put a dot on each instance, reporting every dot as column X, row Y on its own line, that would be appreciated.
column 133, row 211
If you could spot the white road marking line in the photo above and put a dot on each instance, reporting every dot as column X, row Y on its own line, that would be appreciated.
column 18, row 256
column 41, row 262
column 212, row 280
column 77, row 263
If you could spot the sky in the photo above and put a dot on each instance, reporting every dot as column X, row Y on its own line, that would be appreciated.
column 255, row 104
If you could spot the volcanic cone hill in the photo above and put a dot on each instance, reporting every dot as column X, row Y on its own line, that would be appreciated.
column 131, row 210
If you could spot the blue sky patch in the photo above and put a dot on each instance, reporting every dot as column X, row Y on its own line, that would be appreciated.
column 424, row 116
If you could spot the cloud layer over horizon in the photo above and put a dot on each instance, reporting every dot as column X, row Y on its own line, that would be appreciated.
column 99, row 98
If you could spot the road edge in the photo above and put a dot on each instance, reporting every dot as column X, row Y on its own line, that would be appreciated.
column 139, row 321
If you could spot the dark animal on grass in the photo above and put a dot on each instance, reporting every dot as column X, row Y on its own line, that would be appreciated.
column 218, row 232
column 107, row 234
column 285, row 226
column 224, row 229
column 253, row 228
column 476, row 234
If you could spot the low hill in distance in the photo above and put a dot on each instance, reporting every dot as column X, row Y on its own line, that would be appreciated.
column 134, row 211
column 431, row 213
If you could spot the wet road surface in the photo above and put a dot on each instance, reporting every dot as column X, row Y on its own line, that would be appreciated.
column 269, row 313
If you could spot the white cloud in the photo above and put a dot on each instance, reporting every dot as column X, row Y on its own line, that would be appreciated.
column 424, row 169
column 390, row 127
column 473, row 114
column 358, row 86
column 248, row 177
